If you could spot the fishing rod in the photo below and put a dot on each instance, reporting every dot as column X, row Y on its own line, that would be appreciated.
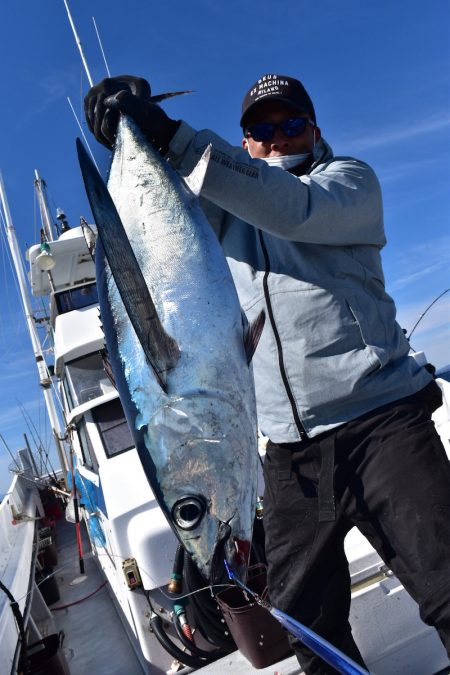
column 426, row 311
column 40, row 482
column 76, row 511
column 33, row 461
column 11, row 454
column 321, row 647
column 29, row 422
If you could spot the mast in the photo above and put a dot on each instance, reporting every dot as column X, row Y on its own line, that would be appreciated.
column 44, row 378
column 41, row 190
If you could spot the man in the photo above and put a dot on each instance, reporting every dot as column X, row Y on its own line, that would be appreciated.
column 346, row 409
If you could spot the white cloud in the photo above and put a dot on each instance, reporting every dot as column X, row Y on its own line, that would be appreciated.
column 397, row 171
column 373, row 138
column 15, row 369
column 53, row 89
column 12, row 417
column 419, row 261
column 413, row 277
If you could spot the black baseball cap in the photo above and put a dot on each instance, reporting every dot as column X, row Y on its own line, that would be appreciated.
column 278, row 88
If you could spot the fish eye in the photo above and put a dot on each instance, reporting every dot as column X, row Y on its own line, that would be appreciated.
column 188, row 512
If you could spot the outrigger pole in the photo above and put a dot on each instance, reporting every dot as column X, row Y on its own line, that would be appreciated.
column 80, row 48
column 44, row 377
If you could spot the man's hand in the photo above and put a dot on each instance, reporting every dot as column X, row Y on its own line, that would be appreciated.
column 132, row 96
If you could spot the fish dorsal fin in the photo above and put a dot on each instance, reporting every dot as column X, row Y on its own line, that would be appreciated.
column 160, row 349
column 107, row 367
column 195, row 179
column 252, row 334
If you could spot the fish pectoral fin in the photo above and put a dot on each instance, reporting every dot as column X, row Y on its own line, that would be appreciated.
column 160, row 349
column 162, row 97
column 196, row 178
column 252, row 335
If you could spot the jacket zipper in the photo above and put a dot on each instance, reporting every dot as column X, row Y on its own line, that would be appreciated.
column 297, row 420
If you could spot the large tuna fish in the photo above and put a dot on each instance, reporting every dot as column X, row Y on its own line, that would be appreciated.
column 180, row 349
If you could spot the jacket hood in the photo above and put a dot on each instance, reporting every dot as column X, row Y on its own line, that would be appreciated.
column 322, row 152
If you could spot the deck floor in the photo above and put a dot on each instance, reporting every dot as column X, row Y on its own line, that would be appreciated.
column 236, row 664
column 95, row 638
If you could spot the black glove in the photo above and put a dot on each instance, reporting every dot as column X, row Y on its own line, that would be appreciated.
column 132, row 96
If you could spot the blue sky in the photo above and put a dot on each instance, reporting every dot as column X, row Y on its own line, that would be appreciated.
column 377, row 71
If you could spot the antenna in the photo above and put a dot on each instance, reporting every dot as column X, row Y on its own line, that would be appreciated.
column 78, row 41
column 101, row 47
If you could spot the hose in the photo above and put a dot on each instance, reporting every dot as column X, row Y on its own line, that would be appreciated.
column 23, row 662
column 212, row 656
column 176, row 582
column 208, row 618
column 156, row 624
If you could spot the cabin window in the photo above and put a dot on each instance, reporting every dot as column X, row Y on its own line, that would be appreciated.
column 113, row 427
column 87, row 450
column 85, row 379
column 68, row 395
column 76, row 298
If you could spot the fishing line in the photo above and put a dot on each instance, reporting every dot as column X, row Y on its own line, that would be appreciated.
column 82, row 133
column 52, row 574
column 101, row 47
column 173, row 596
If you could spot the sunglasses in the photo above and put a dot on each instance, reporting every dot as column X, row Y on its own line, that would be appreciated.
column 265, row 131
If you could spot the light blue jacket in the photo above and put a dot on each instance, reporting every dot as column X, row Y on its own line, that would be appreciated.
column 307, row 250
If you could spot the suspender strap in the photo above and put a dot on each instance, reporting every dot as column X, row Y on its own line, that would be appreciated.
column 284, row 463
column 327, row 510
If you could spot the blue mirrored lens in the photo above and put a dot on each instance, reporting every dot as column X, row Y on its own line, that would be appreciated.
column 294, row 127
column 265, row 131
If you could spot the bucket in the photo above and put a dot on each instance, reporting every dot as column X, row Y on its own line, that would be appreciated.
column 48, row 587
column 47, row 552
column 46, row 658
column 258, row 635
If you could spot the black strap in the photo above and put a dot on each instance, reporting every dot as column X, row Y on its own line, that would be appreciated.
column 284, row 462
column 327, row 510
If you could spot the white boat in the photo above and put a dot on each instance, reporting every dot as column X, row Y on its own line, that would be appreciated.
column 130, row 544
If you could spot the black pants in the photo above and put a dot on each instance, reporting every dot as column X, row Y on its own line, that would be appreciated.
column 391, row 478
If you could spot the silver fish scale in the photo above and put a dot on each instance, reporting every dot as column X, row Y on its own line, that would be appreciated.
column 202, row 434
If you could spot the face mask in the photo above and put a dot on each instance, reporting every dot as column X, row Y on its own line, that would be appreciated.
column 286, row 161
